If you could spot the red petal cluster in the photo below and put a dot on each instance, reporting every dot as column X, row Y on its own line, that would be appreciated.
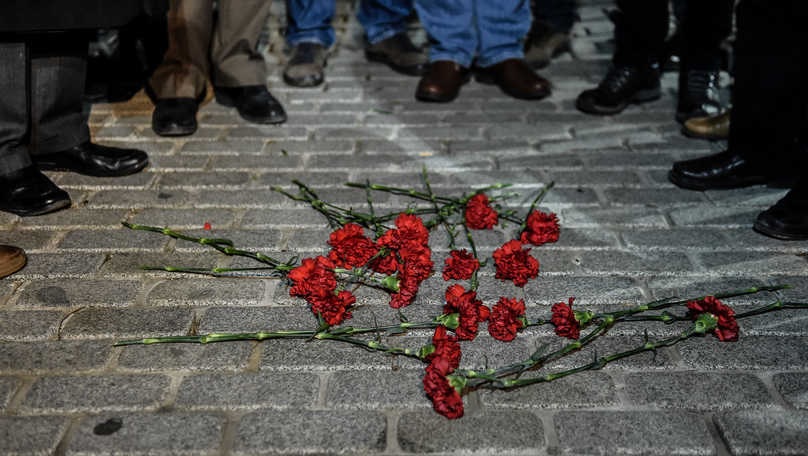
column 541, row 228
column 479, row 213
column 471, row 310
column 350, row 248
column 408, row 255
column 445, row 399
column 506, row 319
column 314, row 280
column 446, row 347
column 566, row 325
column 460, row 265
column 515, row 263
column 727, row 329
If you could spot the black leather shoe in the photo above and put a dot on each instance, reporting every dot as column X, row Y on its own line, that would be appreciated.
column 399, row 53
column 94, row 160
column 516, row 78
column 175, row 116
column 698, row 95
column 787, row 219
column 254, row 103
column 723, row 170
column 623, row 85
column 29, row 192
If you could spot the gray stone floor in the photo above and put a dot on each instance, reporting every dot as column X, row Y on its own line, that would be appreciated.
column 628, row 237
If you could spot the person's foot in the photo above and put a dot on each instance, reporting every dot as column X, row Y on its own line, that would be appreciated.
column 698, row 95
column 623, row 85
column 306, row 64
column 516, row 78
column 399, row 53
column 787, row 219
column 175, row 116
column 544, row 43
column 12, row 259
column 94, row 160
column 442, row 82
column 28, row 192
column 254, row 103
column 713, row 128
column 724, row 170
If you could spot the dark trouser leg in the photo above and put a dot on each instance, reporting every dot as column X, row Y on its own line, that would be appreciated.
column 560, row 15
column 640, row 30
column 770, row 98
column 13, row 107
column 706, row 25
column 58, row 72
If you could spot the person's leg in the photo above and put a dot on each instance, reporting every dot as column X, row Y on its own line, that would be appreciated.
column 14, row 118
column 239, row 71
column 24, row 190
column 178, row 84
column 549, row 34
column 502, row 26
column 704, row 28
column 309, row 34
column 385, row 24
column 60, row 137
column 453, row 34
column 640, row 28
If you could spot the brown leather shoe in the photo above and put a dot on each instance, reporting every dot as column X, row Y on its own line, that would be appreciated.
column 12, row 259
column 715, row 127
column 442, row 82
column 516, row 78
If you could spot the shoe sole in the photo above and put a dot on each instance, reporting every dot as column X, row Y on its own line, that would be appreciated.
column 691, row 134
column 768, row 231
column 175, row 130
column 483, row 78
column 642, row 96
column 228, row 102
column 696, row 184
column 52, row 207
column 14, row 264
column 407, row 71
column 127, row 172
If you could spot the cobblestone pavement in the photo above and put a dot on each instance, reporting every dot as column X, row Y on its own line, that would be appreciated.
column 628, row 237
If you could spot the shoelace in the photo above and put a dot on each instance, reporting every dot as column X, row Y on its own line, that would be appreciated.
column 616, row 78
column 703, row 82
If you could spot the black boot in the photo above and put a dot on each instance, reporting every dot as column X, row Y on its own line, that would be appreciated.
column 698, row 95
column 623, row 85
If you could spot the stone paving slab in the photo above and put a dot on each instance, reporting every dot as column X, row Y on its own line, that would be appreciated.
column 628, row 236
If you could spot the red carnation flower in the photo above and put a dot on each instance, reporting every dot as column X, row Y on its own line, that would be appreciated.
column 541, row 228
column 479, row 213
column 727, row 329
column 350, row 247
column 335, row 308
column 408, row 255
column 507, row 317
column 445, row 398
column 460, row 265
column 314, row 277
column 566, row 325
column 514, row 263
column 446, row 347
column 471, row 310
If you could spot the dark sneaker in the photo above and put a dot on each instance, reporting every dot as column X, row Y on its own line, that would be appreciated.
column 622, row 86
column 306, row 64
column 698, row 95
column 399, row 53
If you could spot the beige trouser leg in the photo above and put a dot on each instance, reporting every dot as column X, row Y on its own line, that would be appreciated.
column 185, row 65
column 235, row 59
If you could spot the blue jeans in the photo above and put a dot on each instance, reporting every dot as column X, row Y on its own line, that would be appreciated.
column 310, row 20
column 462, row 30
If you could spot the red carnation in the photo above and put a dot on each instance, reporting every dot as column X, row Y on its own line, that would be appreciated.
column 446, row 347
column 541, row 228
column 334, row 308
column 566, row 325
column 350, row 247
column 314, row 277
column 445, row 398
column 479, row 213
column 460, row 265
column 515, row 263
column 507, row 317
column 727, row 329
column 471, row 310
